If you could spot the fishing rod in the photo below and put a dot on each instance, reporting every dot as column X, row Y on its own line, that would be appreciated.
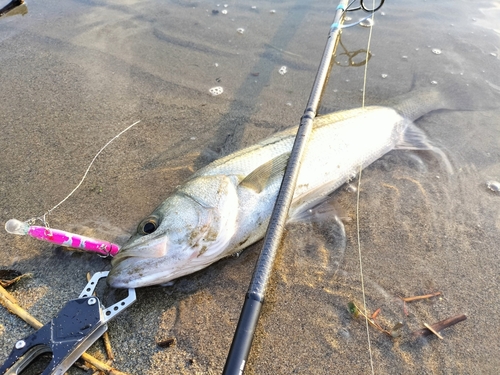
column 243, row 336
column 250, row 312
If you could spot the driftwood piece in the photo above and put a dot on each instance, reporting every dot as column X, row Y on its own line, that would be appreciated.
column 416, row 298
column 439, row 326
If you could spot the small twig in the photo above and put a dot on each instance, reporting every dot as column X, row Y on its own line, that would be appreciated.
column 430, row 329
column 107, row 346
column 14, row 308
column 376, row 312
column 356, row 310
column 6, row 283
column 416, row 298
column 439, row 326
column 7, row 295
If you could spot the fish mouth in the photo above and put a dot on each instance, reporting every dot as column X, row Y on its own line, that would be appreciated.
column 133, row 272
column 157, row 261
column 143, row 247
column 132, row 268
column 146, row 260
column 137, row 263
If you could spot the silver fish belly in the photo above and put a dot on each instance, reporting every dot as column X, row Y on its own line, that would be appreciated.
column 226, row 206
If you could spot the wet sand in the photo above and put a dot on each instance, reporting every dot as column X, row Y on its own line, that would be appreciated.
column 74, row 74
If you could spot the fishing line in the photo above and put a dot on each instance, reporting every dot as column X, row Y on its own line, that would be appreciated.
column 359, row 188
column 361, row 273
column 368, row 55
column 43, row 217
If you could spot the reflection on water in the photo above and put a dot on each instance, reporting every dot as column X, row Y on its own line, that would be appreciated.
column 75, row 73
column 489, row 16
column 354, row 58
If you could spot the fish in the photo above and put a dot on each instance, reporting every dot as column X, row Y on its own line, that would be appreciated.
column 225, row 206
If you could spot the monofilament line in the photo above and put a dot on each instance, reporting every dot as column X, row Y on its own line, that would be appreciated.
column 367, row 58
column 87, row 171
column 357, row 201
column 361, row 273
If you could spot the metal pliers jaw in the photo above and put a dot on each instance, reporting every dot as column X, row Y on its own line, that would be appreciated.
column 67, row 336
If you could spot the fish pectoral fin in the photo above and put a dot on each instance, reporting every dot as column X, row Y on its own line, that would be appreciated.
column 414, row 138
column 259, row 177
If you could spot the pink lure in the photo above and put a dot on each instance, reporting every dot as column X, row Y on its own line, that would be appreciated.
column 63, row 238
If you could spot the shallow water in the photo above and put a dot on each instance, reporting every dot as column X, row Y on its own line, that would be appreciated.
column 75, row 73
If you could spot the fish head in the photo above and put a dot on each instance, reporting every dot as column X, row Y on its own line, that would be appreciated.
column 187, row 232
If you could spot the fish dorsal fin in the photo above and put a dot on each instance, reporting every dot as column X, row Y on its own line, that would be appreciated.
column 259, row 177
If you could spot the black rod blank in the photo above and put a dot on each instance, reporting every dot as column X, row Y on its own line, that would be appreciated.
column 243, row 336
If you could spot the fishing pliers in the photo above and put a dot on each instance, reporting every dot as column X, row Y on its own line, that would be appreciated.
column 67, row 336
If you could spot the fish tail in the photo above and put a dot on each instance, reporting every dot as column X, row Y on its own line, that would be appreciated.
column 452, row 94
column 419, row 102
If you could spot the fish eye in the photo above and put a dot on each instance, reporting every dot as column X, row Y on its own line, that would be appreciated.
column 148, row 225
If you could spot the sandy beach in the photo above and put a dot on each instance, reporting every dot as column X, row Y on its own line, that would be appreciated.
column 75, row 73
